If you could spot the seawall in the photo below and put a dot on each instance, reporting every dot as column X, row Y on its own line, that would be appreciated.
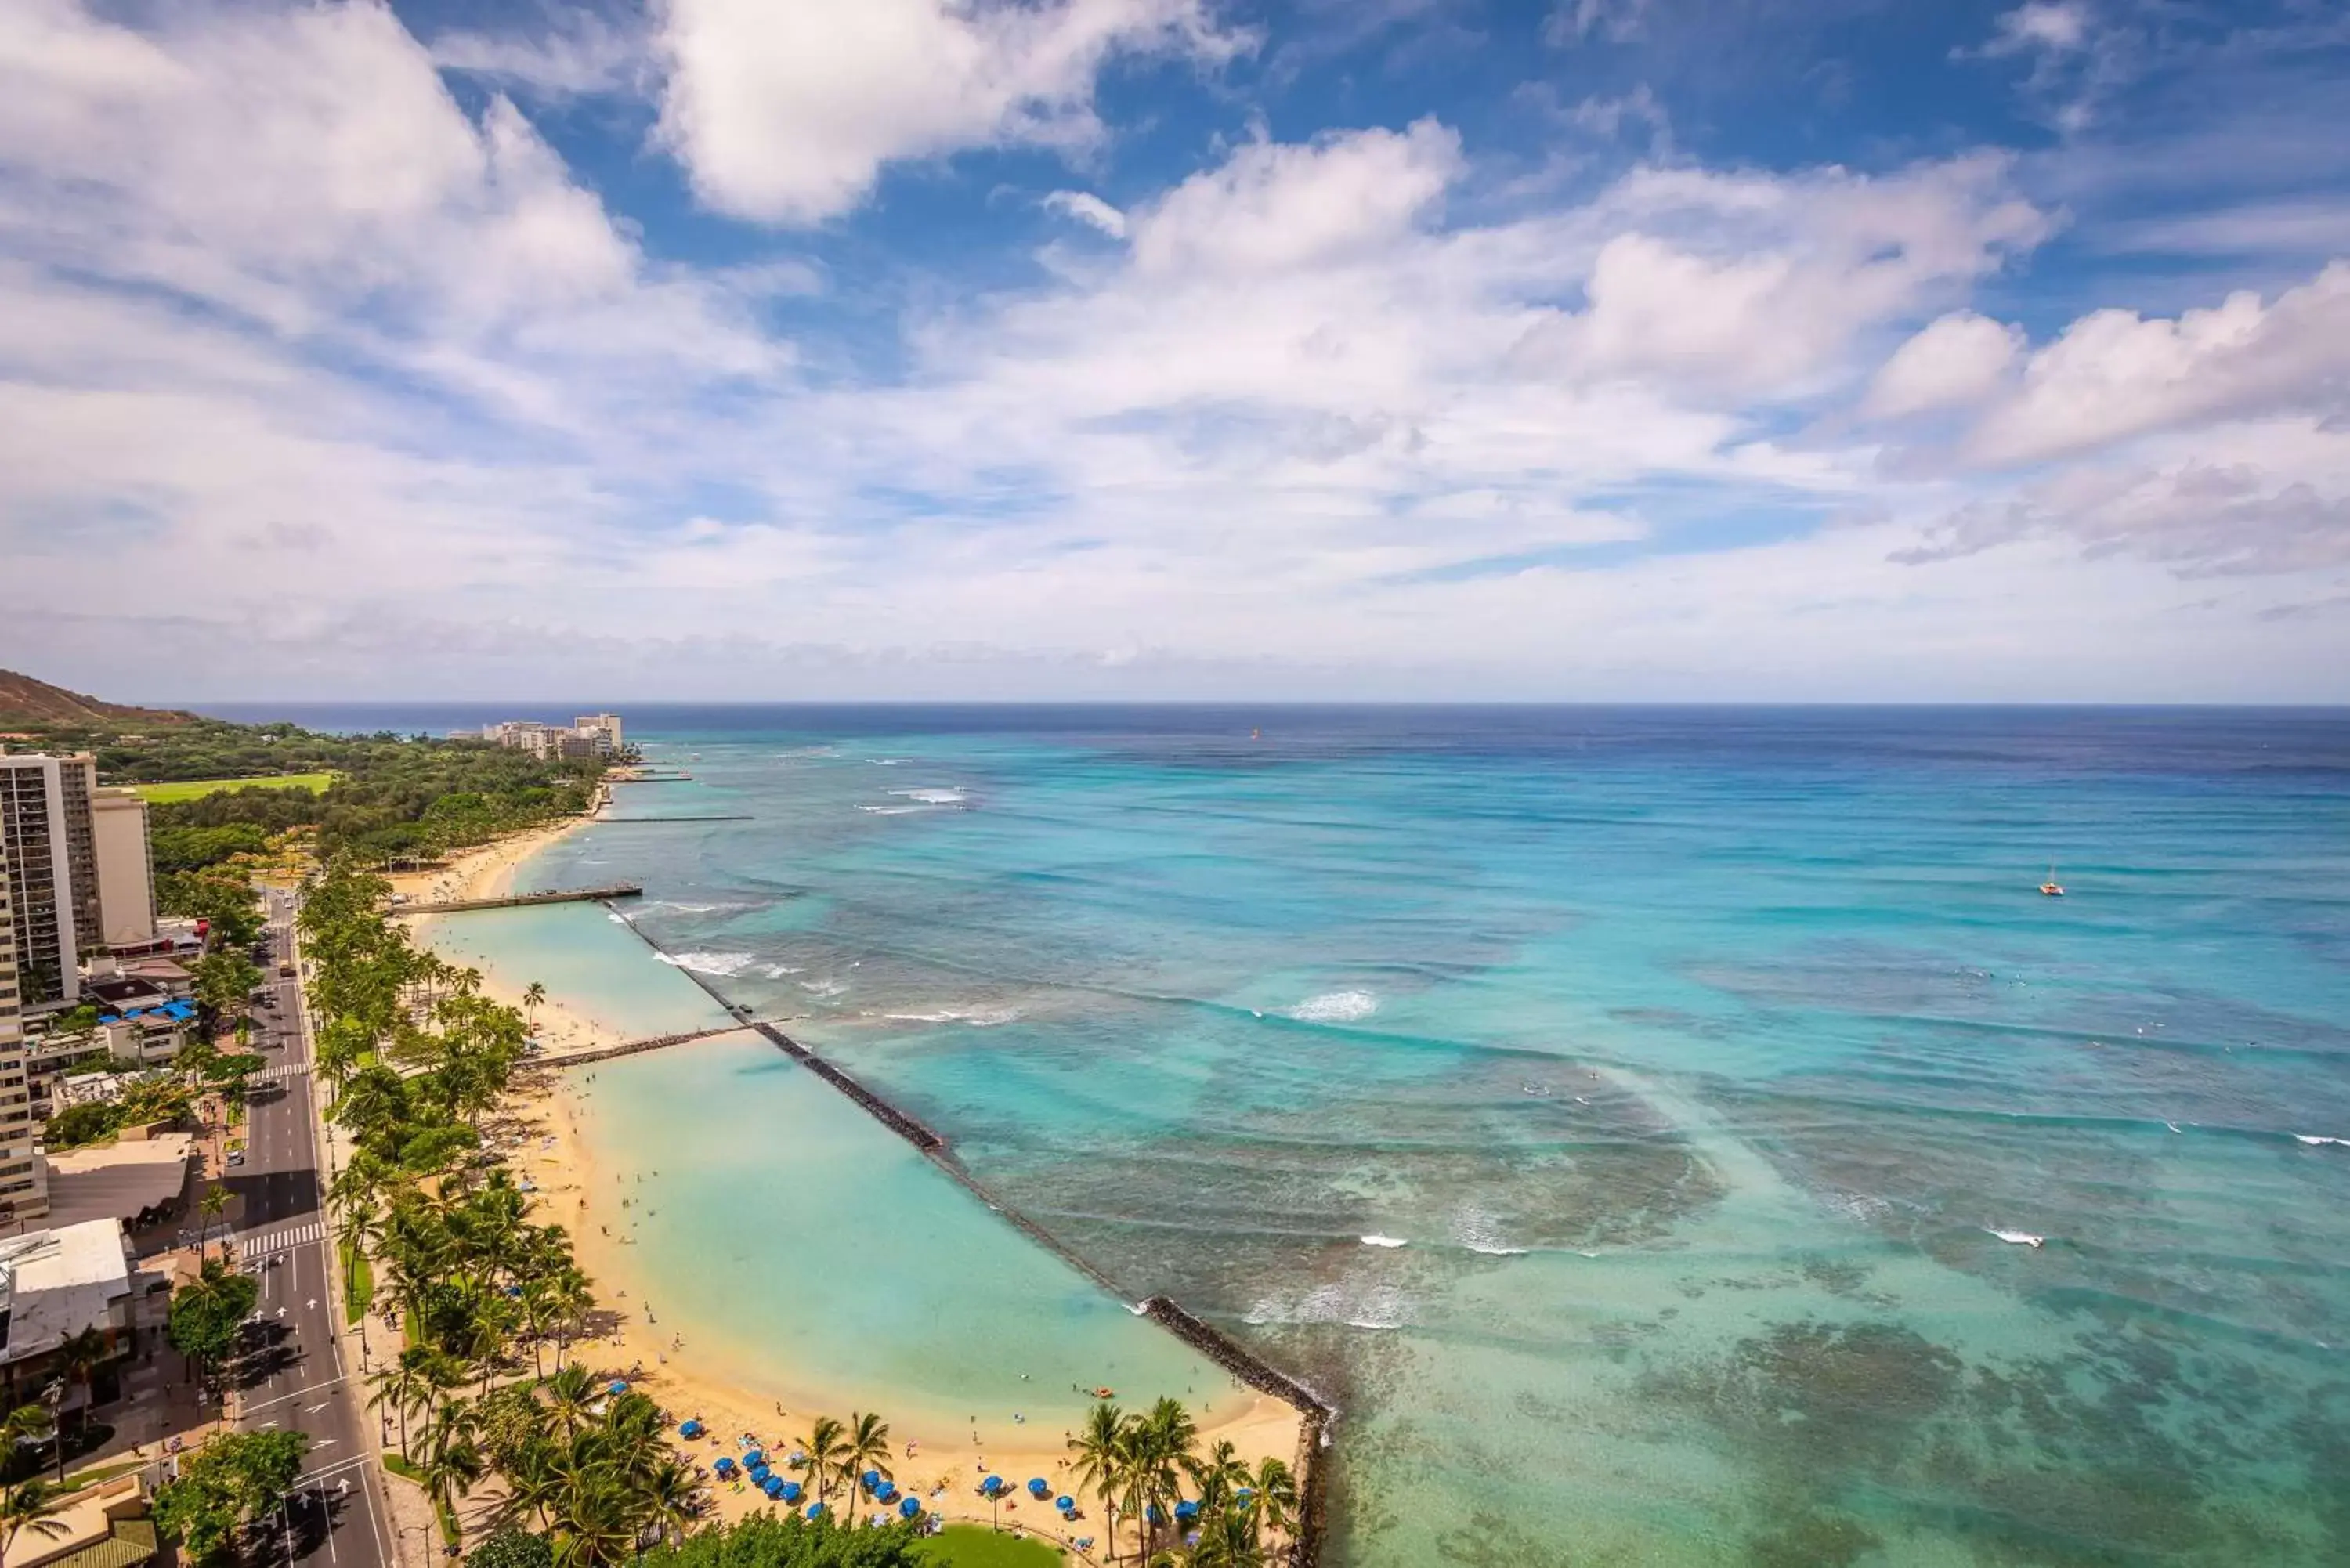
column 1315, row 1413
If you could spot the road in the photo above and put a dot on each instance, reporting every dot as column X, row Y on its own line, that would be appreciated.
column 305, row 1384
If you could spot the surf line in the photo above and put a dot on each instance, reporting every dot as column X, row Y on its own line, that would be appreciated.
column 1317, row 1415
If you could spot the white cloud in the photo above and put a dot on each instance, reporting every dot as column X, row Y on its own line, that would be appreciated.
column 1958, row 359
column 1274, row 207
column 1575, row 21
column 787, row 110
column 581, row 53
column 1088, row 208
column 2060, row 26
column 2113, row 374
column 403, row 406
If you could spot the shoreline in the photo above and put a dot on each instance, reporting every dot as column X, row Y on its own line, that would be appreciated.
column 548, row 1146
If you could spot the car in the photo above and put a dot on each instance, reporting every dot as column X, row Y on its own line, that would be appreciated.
column 236, row 1156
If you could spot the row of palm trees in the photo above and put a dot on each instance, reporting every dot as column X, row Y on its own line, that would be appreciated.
column 1141, row 1464
column 415, row 1056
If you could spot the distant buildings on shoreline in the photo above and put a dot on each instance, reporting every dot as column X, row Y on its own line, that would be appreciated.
column 590, row 735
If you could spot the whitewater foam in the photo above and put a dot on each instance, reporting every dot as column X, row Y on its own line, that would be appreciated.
column 2315, row 1140
column 2018, row 1238
column 1335, row 1007
column 719, row 965
column 933, row 796
column 977, row 1017
column 1375, row 1240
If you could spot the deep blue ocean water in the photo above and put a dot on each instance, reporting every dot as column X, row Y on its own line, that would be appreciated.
column 1632, row 1118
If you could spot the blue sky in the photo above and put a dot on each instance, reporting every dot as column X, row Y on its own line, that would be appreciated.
column 1635, row 349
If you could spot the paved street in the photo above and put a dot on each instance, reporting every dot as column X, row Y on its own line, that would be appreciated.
column 281, row 1238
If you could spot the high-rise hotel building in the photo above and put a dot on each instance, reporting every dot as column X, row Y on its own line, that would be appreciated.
column 79, row 876
column 24, row 1177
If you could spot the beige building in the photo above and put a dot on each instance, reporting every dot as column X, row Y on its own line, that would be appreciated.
column 124, row 862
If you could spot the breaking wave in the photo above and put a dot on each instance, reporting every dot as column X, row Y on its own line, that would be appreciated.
column 1335, row 1007
column 1367, row 1307
column 721, row 965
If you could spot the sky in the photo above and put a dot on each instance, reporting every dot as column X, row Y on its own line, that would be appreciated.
column 1641, row 350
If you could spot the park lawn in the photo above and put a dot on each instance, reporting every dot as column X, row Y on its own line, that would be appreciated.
column 976, row 1546
column 190, row 789
column 361, row 1273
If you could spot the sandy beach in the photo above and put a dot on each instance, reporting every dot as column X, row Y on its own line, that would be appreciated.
column 941, row 1461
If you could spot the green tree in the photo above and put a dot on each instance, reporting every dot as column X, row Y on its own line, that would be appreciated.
column 864, row 1446
column 82, row 1355
column 765, row 1541
column 29, row 1507
column 510, row 1547
column 233, row 1479
column 206, row 1315
column 211, row 1207
column 824, row 1444
column 1100, row 1451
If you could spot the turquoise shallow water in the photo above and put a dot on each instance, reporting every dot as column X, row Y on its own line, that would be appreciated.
column 1613, row 1111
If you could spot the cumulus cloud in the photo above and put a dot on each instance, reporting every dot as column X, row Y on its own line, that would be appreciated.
column 2114, row 374
column 1958, row 359
column 1331, row 419
column 787, row 110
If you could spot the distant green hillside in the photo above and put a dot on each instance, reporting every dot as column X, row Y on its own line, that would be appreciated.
column 374, row 796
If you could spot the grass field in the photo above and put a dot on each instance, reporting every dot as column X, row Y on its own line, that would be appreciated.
column 976, row 1546
column 189, row 789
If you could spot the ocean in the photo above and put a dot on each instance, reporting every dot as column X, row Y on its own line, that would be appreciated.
column 1670, row 1135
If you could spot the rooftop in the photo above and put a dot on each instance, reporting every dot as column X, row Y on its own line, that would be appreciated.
column 58, row 1282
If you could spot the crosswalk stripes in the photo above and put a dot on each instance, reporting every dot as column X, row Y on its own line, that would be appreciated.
column 299, row 1234
column 280, row 1073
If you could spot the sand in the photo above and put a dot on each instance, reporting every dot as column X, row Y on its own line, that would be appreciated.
column 943, row 1469
column 543, row 1141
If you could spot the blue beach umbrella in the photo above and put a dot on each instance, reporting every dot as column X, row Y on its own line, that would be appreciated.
column 753, row 1456
column 790, row 1492
column 760, row 1473
column 992, row 1485
column 725, row 1467
column 1037, row 1488
column 814, row 1509
column 871, row 1480
column 773, row 1486
column 690, row 1429
column 909, row 1506
column 885, row 1490
column 1187, row 1511
column 1065, row 1503
column 1156, row 1514
column 617, row 1386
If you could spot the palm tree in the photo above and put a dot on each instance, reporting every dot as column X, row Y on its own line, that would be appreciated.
column 1275, row 1499
column 570, row 1391
column 1218, row 1477
column 868, row 1449
column 405, row 1384
column 1101, row 1459
column 26, row 1424
column 452, row 1461
column 573, row 1302
column 29, row 1507
column 362, row 1232
column 1169, row 1437
column 82, row 1356
column 595, row 1523
column 667, row 1494
column 213, row 1204
column 533, row 995
column 824, row 1447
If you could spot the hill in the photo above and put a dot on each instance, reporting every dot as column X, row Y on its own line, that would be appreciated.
column 24, row 700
